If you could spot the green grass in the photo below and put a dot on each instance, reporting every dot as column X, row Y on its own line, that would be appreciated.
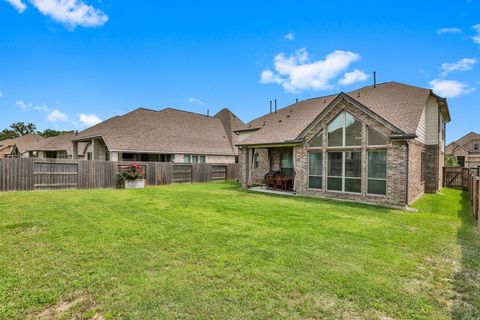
column 214, row 251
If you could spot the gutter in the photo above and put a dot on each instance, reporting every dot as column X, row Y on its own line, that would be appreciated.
column 286, row 143
column 402, row 136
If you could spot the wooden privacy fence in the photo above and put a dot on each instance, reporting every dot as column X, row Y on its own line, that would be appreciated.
column 54, row 174
column 474, row 192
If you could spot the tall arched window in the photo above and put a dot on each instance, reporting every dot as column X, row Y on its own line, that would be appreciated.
column 344, row 131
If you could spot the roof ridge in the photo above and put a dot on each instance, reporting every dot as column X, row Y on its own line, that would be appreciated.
column 186, row 111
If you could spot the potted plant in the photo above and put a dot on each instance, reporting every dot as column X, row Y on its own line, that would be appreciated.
column 132, row 176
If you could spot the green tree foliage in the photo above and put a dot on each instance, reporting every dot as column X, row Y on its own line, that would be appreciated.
column 17, row 129
column 52, row 133
column 451, row 161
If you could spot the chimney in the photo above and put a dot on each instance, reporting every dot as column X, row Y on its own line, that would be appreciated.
column 270, row 106
column 275, row 105
column 374, row 79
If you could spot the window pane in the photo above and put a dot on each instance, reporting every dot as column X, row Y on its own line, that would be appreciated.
column 194, row 159
column 315, row 182
column 375, row 138
column 186, row 158
column 353, row 164
column 202, row 159
column 353, row 131
column 286, row 160
column 335, row 164
column 335, row 131
column 353, row 185
column 315, row 164
column 334, row 184
column 377, row 164
column 377, row 186
column 317, row 141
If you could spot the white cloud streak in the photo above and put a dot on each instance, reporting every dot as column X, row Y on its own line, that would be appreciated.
column 476, row 37
column 23, row 105
column 296, row 72
column 56, row 116
column 464, row 64
column 289, row 36
column 450, row 88
column 18, row 5
column 195, row 100
column 89, row 119
column 71, row 13
column 449, row 30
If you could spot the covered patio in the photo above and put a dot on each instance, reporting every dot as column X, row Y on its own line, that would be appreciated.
column 271, row 167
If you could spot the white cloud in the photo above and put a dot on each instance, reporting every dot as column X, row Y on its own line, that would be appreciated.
column 449, row 88
column 57, row 116
column 289, row 36
column 449, row 30
column 353, row 77
column 195, row 100
column 18, row 5
column 476, row 38
column 297, row 72
column 23, row 105
column 71, row 13
column 464, row 64
column 89, row 119
column 43, row 108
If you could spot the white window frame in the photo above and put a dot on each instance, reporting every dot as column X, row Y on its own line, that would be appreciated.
column 378, row 179
column 343, row 114
column 315, row 175
column 343, row 177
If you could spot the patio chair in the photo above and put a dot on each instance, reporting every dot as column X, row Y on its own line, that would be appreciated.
column 270, row 181
column 280, row 181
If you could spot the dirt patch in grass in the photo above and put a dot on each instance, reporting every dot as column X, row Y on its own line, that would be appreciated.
column 78, row 308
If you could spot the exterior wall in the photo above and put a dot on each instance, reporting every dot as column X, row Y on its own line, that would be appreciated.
column 179, row 158
column 114, row 156
column 263, row 167
column 416, row 187
column 396, row 192
column 432, row 130
column 422, row 127
column 432, row 174
column 243, row 160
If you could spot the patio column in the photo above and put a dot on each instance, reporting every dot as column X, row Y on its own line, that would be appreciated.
column 94, row 146
column 75, row 150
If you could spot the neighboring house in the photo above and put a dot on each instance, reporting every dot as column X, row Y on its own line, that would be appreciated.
column 167, row 135
column 20, row 146
column 58, row 147
column 379, row 144
column 466, row 150
column 9, row 151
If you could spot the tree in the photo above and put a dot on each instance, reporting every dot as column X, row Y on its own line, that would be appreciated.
column 17, row 129
column 451, row 161
column 52, row 133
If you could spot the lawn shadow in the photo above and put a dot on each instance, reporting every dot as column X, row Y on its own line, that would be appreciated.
column 467, row 280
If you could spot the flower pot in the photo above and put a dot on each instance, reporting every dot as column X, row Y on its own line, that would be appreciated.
column 135, row 184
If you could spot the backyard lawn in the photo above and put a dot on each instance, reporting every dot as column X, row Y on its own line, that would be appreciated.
column 214, row 251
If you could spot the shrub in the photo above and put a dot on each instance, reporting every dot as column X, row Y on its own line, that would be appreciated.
column 132, row 171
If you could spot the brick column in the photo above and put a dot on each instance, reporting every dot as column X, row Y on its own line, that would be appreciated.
column 243, row 161
column 431, row 168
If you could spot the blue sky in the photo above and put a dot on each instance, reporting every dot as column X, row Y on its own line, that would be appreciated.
column 67, row 64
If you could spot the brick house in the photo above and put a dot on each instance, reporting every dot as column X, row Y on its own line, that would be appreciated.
column 167, row 135
column 380, row 144
column 466, row 150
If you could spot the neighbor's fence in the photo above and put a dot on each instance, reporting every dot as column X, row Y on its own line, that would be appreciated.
column 54, row 174
column 474, row 192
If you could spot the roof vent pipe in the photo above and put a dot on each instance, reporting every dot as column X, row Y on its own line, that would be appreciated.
column 374, row 79
column 296, row 100
column 270, row 106
column 358, row 94
column 208, row 112
column 275, row 105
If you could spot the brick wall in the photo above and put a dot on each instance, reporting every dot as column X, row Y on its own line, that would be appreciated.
column 416, row 187
column 432, row 168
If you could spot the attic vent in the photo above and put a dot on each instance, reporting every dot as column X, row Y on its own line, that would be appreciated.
column 288, row 116
column 279, row 120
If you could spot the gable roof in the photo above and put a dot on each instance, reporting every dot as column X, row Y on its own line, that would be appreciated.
column 467, row 138
column 23, row 143
column 165, row 131
column 61, row 142
column 398, row 104
column 7, row 150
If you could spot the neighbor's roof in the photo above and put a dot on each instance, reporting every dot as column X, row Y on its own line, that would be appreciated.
column 61, row 142
column 399, row 104
column 467, row 138
column 23, row 143
column 164, row 131
column 6, row 150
